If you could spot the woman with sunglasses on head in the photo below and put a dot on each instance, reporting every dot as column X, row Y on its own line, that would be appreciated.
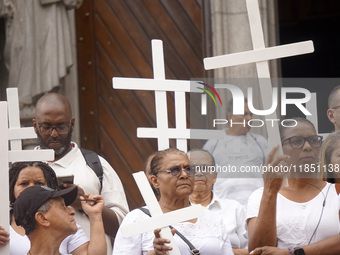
column 303, row 212
column 173, row 177
column 26, row 174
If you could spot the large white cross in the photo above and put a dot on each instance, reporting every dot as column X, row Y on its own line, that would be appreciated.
column 11, row 132
column 261, row 55
column 160, row 85
column 158, row 219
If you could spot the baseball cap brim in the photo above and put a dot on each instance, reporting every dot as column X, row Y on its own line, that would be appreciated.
column 69, row 194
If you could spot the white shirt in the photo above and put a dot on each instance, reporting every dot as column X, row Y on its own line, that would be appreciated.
column 233, row 215
column 113, row 192
column 236, row 153
column 20, row 245
column 296, row 222
column 208, row 235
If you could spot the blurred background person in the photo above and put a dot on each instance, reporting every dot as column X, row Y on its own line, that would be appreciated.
column 238, row 148
column 231, row 211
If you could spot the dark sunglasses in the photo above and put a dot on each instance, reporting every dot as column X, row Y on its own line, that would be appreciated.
column 177, row 170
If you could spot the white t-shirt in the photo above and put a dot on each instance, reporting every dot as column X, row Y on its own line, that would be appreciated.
column 208, row 235
column 233, row 215
column 296, row 222
column 113, row 192
column 20, row 245
column 233, row 154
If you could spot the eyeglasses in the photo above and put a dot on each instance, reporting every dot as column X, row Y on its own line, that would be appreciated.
column 177, row 170
column 335, row 107
column 298, row 142
column 61, row 129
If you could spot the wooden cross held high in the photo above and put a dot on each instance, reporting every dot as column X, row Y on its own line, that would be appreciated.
column 158, row 219
column 11, row 132
column 261, row 55
column 161, row 85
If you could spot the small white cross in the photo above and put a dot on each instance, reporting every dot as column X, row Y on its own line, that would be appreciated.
column 158, row 219
column 11, row 132
column 260, row 55
column 160, row 85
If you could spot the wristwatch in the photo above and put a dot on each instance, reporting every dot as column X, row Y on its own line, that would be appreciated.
column 299, row 251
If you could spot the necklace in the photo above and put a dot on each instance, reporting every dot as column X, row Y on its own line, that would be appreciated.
column 29, row 252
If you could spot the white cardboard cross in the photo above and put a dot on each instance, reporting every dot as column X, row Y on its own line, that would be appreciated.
column 158, row 219
column 160, row 85
column 260, row 55
column 11, row 132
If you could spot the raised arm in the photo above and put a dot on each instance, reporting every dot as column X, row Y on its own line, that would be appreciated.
column 97, row 245
column 262, row 229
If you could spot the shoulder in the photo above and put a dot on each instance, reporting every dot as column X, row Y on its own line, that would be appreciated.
column 231, row 203
column 258, row 137
column 209, row 144
column 255, row 197
column 134, row 215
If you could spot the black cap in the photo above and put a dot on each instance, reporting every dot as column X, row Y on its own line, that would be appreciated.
column 32, row 198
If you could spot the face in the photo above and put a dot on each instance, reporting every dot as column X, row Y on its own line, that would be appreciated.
column 170, row 186
column 304, row 155
column 240, row 129
column 61, row 218
column 204, row 179
column 55, row 115
column 334, row 114
column 27, row 177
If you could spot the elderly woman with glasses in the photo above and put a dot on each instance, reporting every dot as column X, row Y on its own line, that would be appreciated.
column 304, row 211
column 173, row 177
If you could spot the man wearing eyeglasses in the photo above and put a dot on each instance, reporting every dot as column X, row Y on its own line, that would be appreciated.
column 54, row 124
column 333, row 111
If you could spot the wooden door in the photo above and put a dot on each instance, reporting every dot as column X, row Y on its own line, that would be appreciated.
column 114, row 40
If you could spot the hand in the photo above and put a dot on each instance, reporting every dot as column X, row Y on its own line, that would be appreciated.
column 273, row 178
column 159, row 243
column 76, row 204
column 92, row 208
column 268, row 250
column 4, row 236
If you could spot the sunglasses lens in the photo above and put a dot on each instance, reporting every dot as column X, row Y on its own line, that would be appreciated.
column 188, row 170
column 175, row 170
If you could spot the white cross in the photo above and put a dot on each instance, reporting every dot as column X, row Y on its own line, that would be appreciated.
column 160, row 85
column 260, row 55
column 158, row 219
column 11, row 132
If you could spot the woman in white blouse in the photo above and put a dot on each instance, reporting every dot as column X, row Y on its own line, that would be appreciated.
column 173, row 176
column 301, row 213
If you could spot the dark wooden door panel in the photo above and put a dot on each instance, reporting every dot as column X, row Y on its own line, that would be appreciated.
column 114, row 40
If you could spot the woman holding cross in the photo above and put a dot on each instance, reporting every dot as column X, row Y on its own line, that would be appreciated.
column 174, row 178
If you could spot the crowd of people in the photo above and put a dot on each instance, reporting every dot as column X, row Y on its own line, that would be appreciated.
column 295, row 212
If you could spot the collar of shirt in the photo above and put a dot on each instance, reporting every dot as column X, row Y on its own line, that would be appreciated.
column 214, row 201
column 67, row 159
